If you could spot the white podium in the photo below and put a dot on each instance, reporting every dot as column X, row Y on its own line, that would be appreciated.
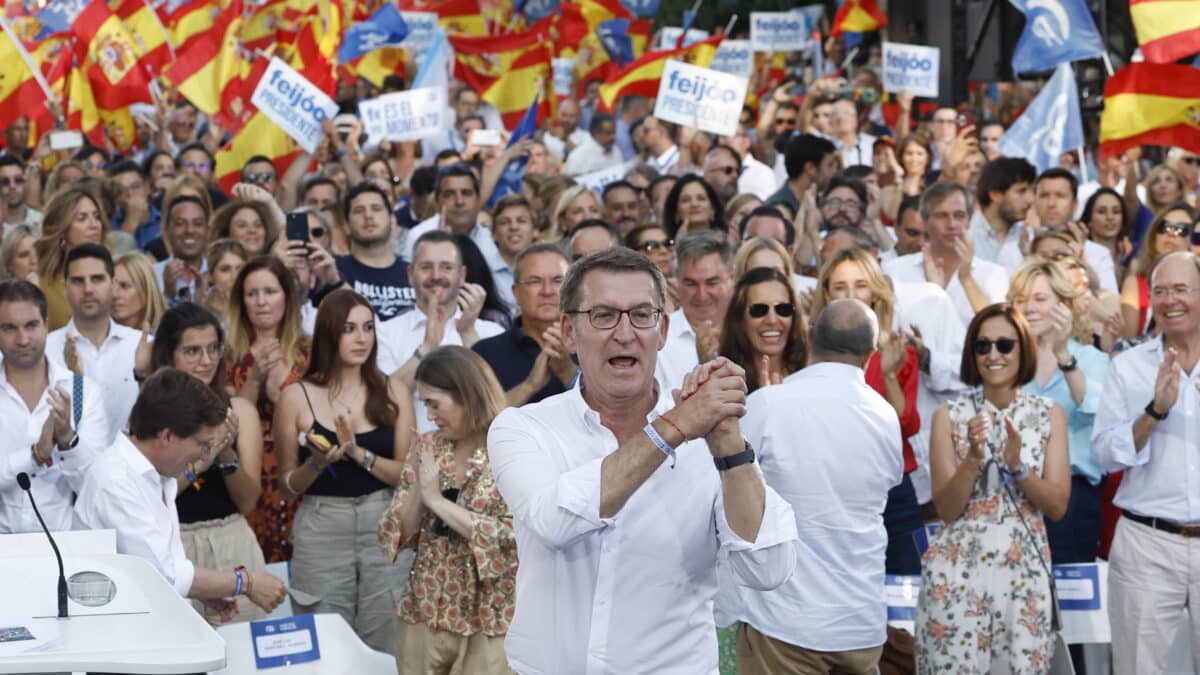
column 146, row 628
column 341, row 652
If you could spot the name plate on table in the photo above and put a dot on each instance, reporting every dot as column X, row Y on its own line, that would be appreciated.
column 283, row 642
column 901, row 592
column 1078, row 587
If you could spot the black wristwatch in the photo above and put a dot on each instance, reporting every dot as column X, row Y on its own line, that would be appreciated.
column 1069, row 366
column 744, row 457
column 1154, row 413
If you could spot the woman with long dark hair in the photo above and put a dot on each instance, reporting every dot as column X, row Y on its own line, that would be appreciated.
column 343, row 436
column 692, row 205
column 764, row 329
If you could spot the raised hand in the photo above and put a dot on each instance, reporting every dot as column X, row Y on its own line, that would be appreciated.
column 427, row 469
column 141, row 357
column 933, row 271
column 711, row 394
column 1064, row 322
column 977, row 440
column 1166, row 384
column 765, row 375
column 470, row 300
column 1012, row 445
column 708, row 340
column 966, row 253
column 892, row 354
column 71, row 356
column 559, row 358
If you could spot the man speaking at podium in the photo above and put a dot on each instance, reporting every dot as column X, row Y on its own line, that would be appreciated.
column 176, row 420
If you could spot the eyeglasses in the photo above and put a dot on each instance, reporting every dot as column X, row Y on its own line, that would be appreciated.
column 195, row 166
column 605, row 318
column 651, row 245
column 1175, row 229
column 783, row 310
column 839, row 204
column 192, row 353
column 538, row 282
column 15, row 181
column 1160, row 292
column 261, row 177
column 983, row 346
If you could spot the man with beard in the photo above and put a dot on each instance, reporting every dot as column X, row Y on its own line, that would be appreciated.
column 1005, row 195
column 91, row 343
column 446, row 313
column 623, row 204
column 372, row 269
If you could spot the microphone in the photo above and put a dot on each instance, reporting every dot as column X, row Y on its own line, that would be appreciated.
column 23, row 481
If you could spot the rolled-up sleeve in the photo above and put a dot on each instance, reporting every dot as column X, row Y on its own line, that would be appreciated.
column 557, row 506
column 770, row 559
column 1112, row 434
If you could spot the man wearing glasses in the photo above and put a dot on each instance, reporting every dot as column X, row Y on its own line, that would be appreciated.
column 618, row 510
column 12, row 190
column 1148, row 426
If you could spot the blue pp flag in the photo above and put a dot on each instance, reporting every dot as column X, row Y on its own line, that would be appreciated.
column 385, row 28
column 1056, row 31
column 642, row 8
column 614, row 35
column 1050, row 126
column 57, row 16
column 511, row 180
column 535, row 10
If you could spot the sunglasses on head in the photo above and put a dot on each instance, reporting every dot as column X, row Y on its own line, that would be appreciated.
column 759, row 309
column 1177, row 229
column 983, row 346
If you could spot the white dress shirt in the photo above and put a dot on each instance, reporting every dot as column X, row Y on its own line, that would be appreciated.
column 666, row 162
column 678, row 357
column 111, row 366
column 837, row 481
column 757, row 178
column 52, row 486
column 1007, row 254
column 124, row 492
column 990, row 277
column 862, row 153
column 632, row 593
column 397, row 339
column 558, row 148
column 161, row 266
column 1162, row 479
column 590, row 156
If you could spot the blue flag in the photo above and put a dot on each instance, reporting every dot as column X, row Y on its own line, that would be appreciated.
column 614, row 35
column 642, row 8
column 535, row 10
column 1050, row 126
column 385, row 28
column 511, row 180
column 57, row 16
column 1056, row 31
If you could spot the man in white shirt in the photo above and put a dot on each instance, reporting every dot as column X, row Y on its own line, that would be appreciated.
column 830, row 445
column 618, row 512
column 1055, row 206
column 721, row 169
column 949, row 259
column 598, row 151
column 15, row 211
column 857, row 148
column 447, row 313
column 1005, row 197
column 660, row 151
column 185, row 228
column 512, row 230
column 1148, row 426
column 704, row 275
column 565, row 137
column 91, row 343
column 755, row 177
column 177, row 420
column 40, row 417
column 456, row 192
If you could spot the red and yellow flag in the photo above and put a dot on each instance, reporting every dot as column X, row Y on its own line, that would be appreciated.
column 147, row 31
column 858, row 16
column 109, row 58
column 260, row 136
column 211, row 63
column 507, row 71
column 20, row 92
column 1168, row 30
column 1151, row 104
column 457, row 17
column 642, row 76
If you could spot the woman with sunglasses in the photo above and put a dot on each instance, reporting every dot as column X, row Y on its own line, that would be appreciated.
column 1171, row 231
column 764, row 332
column 1070, row 372
column 216, row 493
column 448, row 508
column 894, row 372
column 998, row 463
column 652, row 241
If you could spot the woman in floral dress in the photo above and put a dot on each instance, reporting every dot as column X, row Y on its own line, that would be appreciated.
column 999, row 462
column 460, row 598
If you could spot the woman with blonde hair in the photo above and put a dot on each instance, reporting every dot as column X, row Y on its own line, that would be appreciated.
column 224, row 258
column 63, row 174
column 549, row 195
column 137, row 299
column 762, row 252
column 459, row 599
column 73, row 216
column 267, row 352
column 1070, row 372
column 18, row 255
column 739, row 207
column 576, row 204
column 893, row 371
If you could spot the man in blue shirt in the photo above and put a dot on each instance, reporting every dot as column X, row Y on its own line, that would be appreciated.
column 529, row 359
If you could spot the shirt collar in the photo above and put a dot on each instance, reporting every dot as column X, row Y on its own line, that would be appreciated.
column 114, row 333
column 678, row 325
column 833, row 369
column 591, row 417
column 135, row 459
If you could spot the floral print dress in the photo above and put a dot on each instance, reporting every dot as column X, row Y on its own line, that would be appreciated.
column 985, row 604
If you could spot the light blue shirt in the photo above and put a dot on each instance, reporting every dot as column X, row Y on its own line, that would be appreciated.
column 1093, row 364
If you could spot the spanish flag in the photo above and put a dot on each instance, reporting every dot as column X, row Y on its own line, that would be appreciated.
column 211, row 63
column 260, row 136
column 858, row 16
column 1151, row 104
column 507, row 71
column 642, row 76
column 148, row 33
column 456, row 17
column 20, row 92
column 1168, row 30
column 109, row 58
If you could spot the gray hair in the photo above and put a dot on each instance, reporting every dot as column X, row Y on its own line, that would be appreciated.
column 1188, row 255
column 695, row 245
column 534, row 249
column 938, row 192
column 846, row 331
column 618, row 260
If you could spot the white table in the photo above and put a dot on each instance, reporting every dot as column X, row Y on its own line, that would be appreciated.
column 341, row 652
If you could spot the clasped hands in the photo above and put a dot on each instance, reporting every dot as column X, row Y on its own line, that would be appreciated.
column 709, row 403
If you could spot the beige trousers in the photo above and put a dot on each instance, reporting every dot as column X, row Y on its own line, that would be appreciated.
column 424, row 651
column 223, row 545
column 1152, row 576
column 759, row 654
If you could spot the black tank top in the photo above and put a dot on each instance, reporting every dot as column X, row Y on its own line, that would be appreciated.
column 345, row 478
column 206, row 499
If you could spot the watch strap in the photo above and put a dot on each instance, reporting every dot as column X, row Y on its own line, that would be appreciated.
column 1154, row 413
column 744, row 457
column 1069, row 366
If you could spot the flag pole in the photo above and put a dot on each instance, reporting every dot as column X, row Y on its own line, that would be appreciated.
column 730, row 24
column 29, row 62
column 1082, row 164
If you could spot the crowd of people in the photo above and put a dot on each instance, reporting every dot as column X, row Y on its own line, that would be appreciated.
column 485, row 435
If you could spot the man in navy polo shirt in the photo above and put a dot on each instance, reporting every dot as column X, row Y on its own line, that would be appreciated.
column 529, row 359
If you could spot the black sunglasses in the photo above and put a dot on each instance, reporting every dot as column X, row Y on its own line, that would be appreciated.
column 654, row 244
column 1178, row 229
column 759, row 309
column 983, row 346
